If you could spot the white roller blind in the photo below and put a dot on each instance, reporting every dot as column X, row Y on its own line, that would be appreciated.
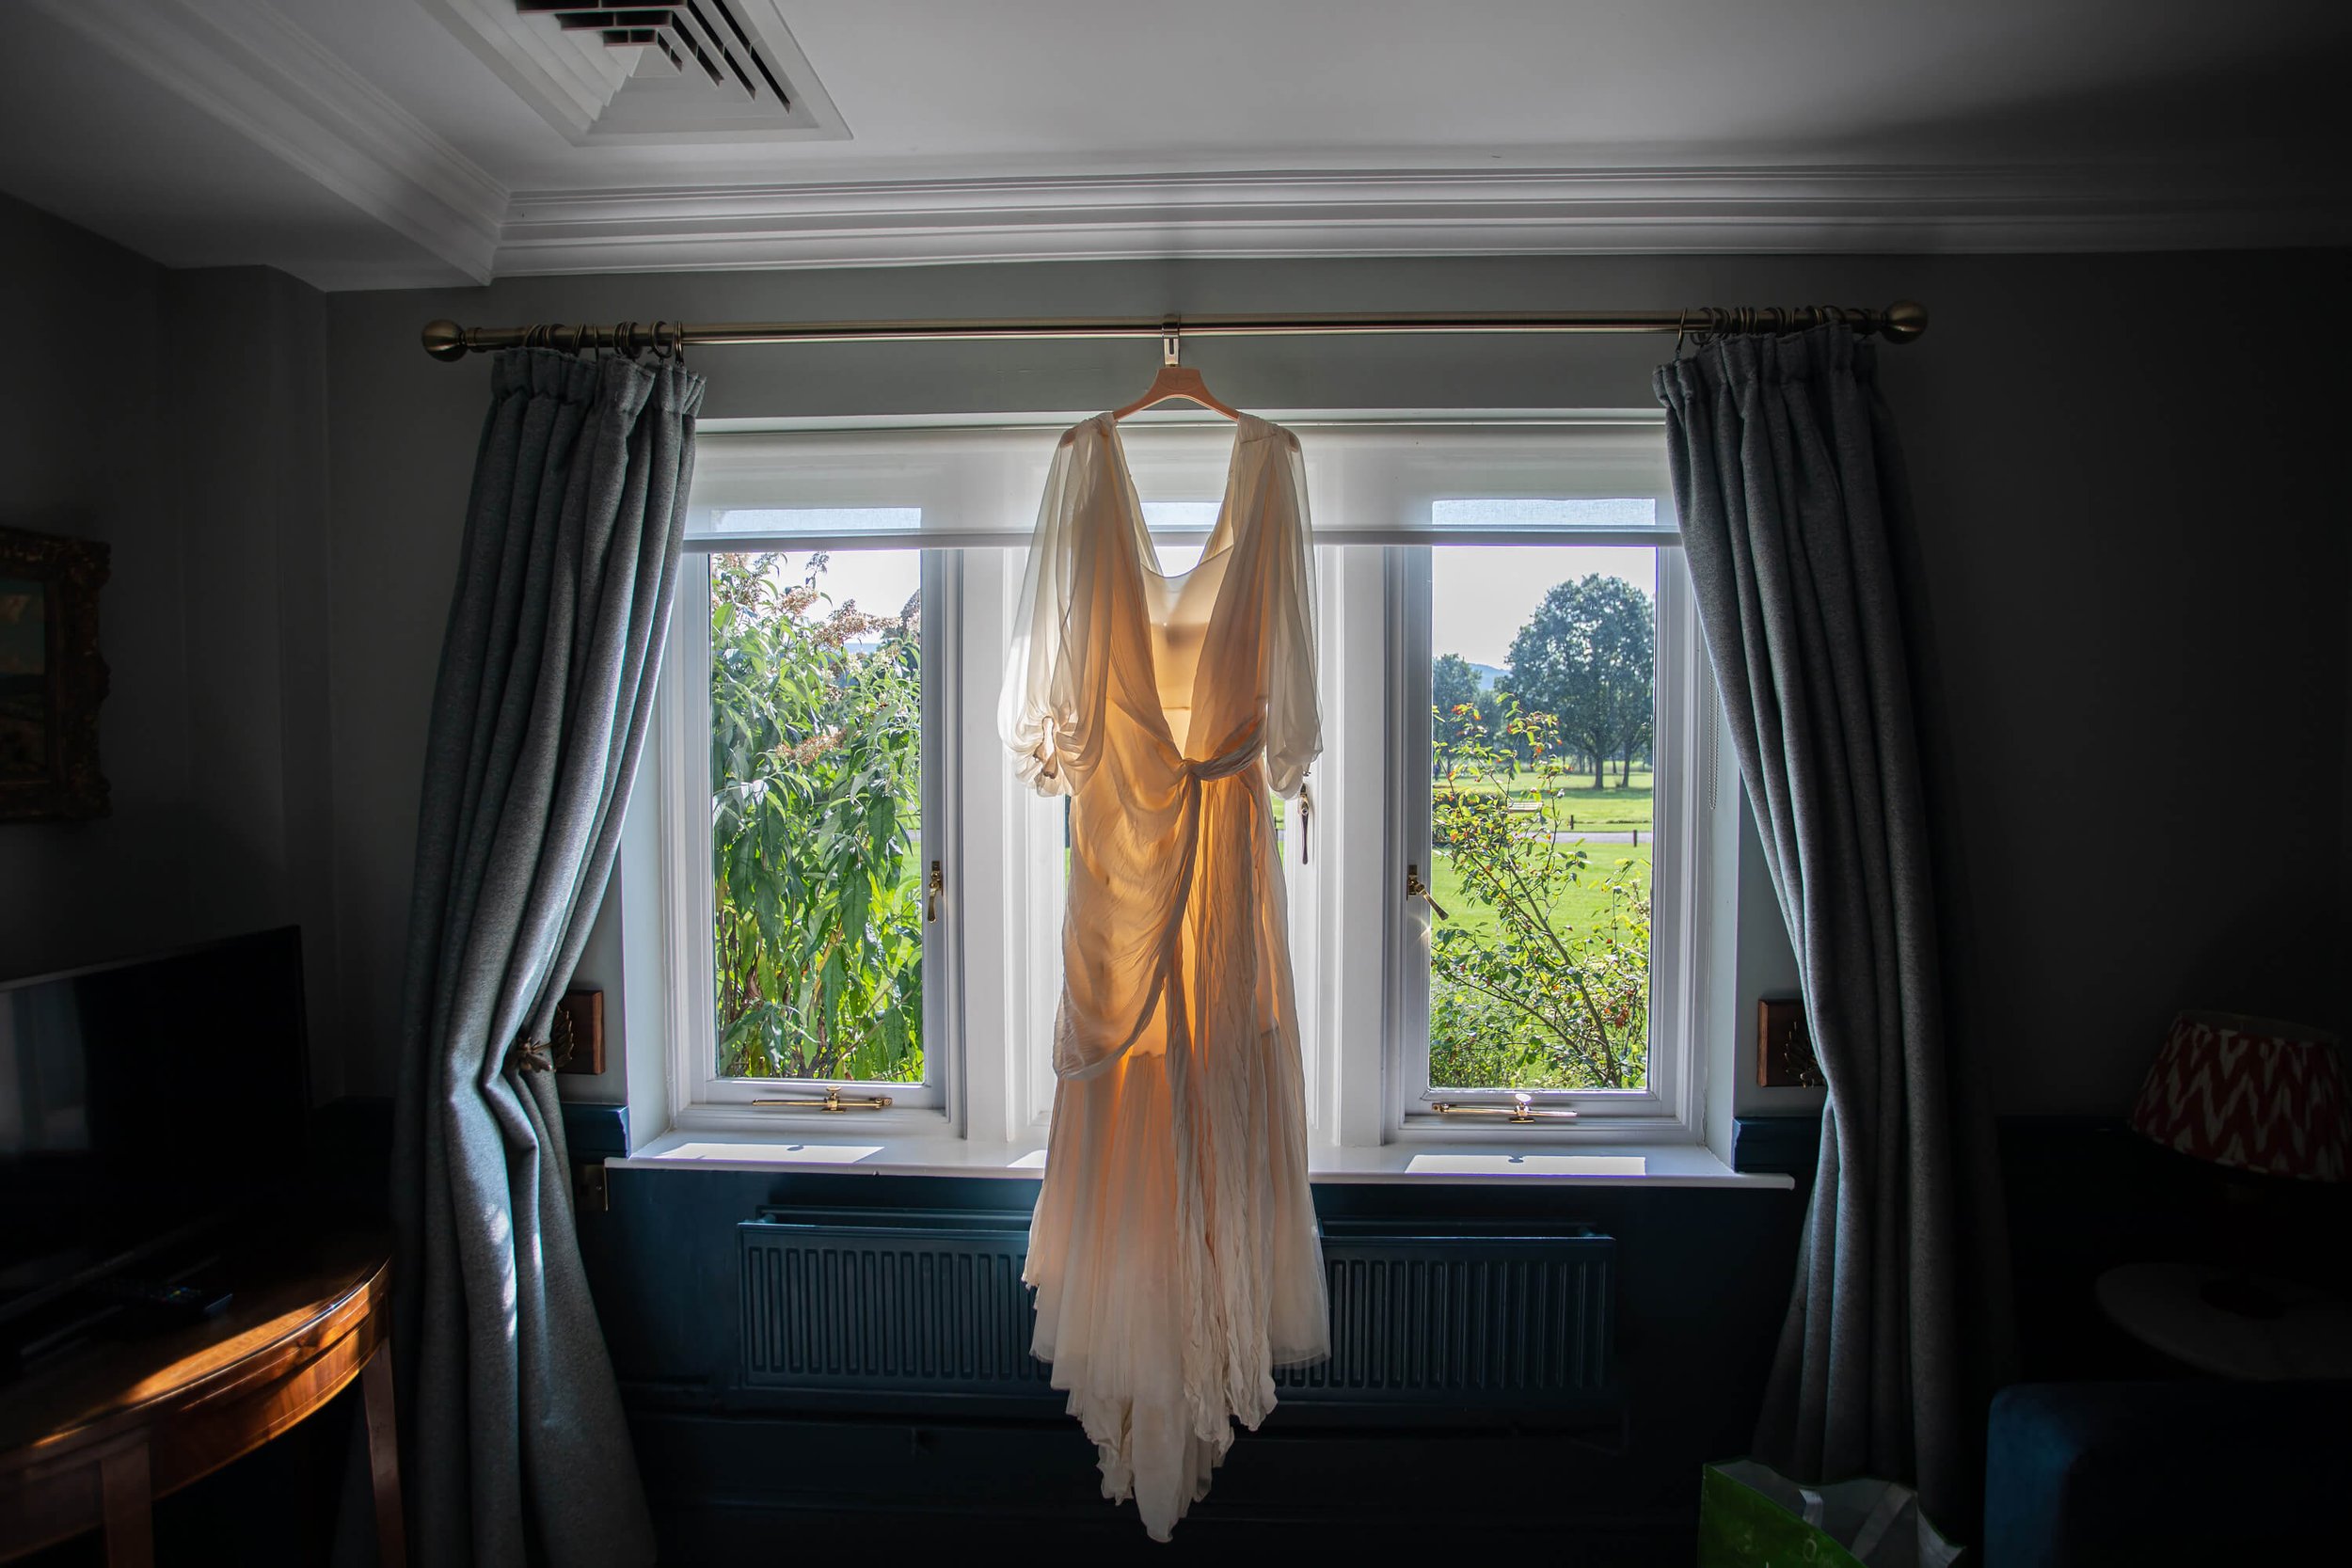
column 1517, row 480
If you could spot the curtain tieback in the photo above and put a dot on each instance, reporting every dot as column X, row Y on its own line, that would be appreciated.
column 547, row 1055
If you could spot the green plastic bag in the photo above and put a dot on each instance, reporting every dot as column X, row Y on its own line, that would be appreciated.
column 1753, row 1516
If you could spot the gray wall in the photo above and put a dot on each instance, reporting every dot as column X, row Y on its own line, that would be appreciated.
column 2126, row 586
column 79, row 433
column 180, row 417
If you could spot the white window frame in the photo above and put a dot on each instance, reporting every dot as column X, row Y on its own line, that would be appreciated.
column 992, row 982
column 699, row 1094
column 1683, row 885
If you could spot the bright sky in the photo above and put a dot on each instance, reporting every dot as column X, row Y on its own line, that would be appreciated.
column 881, row 582
column 1480, row 596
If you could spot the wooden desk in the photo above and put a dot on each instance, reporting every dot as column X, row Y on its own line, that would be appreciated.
column 89, row 1443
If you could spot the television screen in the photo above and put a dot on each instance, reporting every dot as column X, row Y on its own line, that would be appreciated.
column 138, row 1096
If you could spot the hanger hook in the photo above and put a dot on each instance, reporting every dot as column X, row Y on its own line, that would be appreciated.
column 1171, row 341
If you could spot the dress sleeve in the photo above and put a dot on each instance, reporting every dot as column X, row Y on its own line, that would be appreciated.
column 1294, row 719
column 1038, row 713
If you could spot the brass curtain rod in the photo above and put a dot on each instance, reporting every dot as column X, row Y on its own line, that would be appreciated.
column 1898, row 323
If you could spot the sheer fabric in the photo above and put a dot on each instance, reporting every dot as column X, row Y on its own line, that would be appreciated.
column 1174, row 1249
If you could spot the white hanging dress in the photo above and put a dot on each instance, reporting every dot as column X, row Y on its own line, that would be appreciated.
column 1174, row 1249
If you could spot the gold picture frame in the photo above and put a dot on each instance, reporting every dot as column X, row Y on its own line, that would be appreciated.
column 52, row 678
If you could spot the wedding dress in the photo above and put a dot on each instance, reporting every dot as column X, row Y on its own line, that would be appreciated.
column 1174, row 1249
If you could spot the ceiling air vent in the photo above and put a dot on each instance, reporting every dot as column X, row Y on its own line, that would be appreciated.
column 656, row 71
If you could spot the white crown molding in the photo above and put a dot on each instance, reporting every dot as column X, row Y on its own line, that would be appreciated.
column 1421, row 213
column 245, row 65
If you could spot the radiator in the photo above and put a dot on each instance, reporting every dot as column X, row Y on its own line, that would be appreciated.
column 1461, row 1320
column 905, row 1301
column 912, row 1302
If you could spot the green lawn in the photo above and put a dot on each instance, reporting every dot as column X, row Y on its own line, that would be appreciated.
column 1577, row 904
column 1612, row 809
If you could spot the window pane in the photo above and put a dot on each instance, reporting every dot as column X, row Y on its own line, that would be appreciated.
column 816, row 812
column 1542, row 714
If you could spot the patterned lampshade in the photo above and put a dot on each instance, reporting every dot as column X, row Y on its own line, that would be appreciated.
column 2250, row 1093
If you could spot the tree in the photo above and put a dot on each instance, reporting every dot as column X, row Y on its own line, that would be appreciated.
column 1454, row 699
column 1586, row 658
column 1537, row 1001
column 814, row 772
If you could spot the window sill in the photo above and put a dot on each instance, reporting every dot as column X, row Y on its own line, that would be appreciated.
column 1462, row 1163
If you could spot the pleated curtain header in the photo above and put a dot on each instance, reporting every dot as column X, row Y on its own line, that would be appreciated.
column 1598, row 479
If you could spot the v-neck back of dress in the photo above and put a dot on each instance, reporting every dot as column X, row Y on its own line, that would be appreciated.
column 1181, row 621
column 1182, row 607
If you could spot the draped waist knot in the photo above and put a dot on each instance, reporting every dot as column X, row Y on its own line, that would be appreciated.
column 1198, row 770
column 1234, row 759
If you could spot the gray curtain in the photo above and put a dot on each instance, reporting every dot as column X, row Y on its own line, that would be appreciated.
column 516, row 1448
column 1788, row 477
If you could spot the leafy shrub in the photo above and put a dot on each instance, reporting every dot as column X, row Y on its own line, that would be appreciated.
column 816, row 734
column 1519, row 996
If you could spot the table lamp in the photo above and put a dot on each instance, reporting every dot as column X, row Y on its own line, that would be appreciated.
column 2249, row 1095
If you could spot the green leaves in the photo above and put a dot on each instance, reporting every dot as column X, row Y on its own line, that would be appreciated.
column 1587, row 658
column 816, row 739
column 1538, row 1002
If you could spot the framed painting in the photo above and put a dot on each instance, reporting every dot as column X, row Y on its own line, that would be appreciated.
column 52, row 678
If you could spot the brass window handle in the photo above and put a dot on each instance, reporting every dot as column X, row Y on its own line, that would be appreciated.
column 1522, row 1108
column 932, row 887
column 1416, row 888
column 831, row 1102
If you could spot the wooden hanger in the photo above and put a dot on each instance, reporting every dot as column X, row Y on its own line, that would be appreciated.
column 1176, row 380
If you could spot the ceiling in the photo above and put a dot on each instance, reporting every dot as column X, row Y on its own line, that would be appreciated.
column 394, row 143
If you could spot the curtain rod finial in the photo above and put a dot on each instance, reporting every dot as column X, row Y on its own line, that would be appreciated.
column 1906, row 319
column 444, row 339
